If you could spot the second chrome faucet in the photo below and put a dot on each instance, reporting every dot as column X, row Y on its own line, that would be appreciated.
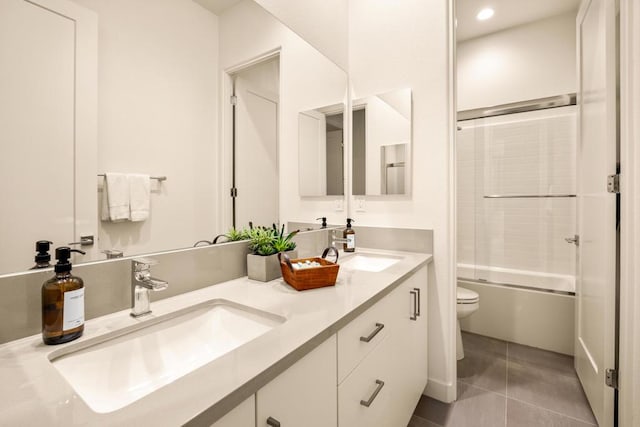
column 141, row 284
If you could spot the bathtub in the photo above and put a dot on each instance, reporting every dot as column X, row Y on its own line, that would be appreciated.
column 519, row 278
column 524, row 307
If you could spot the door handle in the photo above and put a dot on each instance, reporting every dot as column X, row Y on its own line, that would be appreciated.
column 367, row 403
column 418, row 304
column 575, row 240
column 414, row 316
column 273, row 422
column 379, row 327
column 84, row 241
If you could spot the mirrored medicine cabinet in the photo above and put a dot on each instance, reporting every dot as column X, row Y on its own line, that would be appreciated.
column 381, row 146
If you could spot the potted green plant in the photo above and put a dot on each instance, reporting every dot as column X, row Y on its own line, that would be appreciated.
column 233, row 235
column 265, row 244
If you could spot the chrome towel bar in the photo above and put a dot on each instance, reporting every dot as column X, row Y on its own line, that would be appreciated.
column 526, row 196
column 159, row 178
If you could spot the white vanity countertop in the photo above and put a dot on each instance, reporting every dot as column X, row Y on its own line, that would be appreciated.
column 33, row 392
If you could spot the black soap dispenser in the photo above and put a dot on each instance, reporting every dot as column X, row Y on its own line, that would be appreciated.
column 43, row 257
column 350, row 235
column 324, row 221
column 62, row 302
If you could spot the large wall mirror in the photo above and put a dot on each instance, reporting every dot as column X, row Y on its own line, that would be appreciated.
column 381, row 152
column 160, row 112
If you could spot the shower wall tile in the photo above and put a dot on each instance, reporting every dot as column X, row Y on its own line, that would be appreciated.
column 525, row 153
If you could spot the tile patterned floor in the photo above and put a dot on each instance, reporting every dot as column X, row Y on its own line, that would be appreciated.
column 502, row 384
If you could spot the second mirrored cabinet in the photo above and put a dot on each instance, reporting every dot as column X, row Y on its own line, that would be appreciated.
column 381, row 155
column 321, row 151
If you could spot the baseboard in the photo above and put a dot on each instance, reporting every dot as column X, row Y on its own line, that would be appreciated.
column 444, row 392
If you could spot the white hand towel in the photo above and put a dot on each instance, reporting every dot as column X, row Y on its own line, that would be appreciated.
column 139, row 196
column 115, row 197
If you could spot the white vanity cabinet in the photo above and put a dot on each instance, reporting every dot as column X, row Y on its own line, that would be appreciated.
column 385, row 380
column 243, row 415
column 303, row 395
column 409, row 359
column 371, row 373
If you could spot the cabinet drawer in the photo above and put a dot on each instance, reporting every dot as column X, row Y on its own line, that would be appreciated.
column 303, row 395
column 370, row 383
column 243, row 415
column 362, row 335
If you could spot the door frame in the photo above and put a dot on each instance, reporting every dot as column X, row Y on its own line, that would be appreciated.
column 224, row 220
column 629, row 390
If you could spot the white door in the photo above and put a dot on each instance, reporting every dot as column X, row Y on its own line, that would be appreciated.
column 48, row 139
column 36, row 130
column 596, row 275
column 256, row 160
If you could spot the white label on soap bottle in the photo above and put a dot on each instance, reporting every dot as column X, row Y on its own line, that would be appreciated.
column 351, row 241
column 73, row 311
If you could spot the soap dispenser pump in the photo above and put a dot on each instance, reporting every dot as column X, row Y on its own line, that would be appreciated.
column 43, row 257
column 324, row 221
column 350, row 235
column 62, row 302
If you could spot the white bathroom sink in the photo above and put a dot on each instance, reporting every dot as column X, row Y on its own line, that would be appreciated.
column 369, row 262
column 112, row 372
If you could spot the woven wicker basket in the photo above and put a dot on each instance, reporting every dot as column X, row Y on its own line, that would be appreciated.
column 309, row 278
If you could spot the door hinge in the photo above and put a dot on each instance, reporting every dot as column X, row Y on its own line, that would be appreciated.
column 234, row 192
column 611, row 378
column 233, row 99
column 613, row 184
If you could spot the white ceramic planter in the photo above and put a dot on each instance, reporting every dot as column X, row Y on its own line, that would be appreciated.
column 266, row 268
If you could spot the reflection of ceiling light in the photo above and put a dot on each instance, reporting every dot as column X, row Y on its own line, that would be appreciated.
column 485, row 14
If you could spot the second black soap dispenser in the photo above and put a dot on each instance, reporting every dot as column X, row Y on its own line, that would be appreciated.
column 43, row 257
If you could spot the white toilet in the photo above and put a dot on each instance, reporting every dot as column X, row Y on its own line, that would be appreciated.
column 467, row 304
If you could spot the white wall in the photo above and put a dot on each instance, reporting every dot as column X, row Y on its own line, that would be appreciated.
column 157, row 97
column 526, row 62
column 323, row 23
column 403, row 44
column 308, row 81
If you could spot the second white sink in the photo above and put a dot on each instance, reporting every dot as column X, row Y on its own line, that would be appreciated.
column 113, row 372
column 370, row 262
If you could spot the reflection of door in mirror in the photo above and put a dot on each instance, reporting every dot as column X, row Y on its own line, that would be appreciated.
column 392, row 162
column 359, row 149
column 39, row 128
column 256, row 144
column 335, row 139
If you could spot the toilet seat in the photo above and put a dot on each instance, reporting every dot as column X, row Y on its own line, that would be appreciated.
column 467, row 296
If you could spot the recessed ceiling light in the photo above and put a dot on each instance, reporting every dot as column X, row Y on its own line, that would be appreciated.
column 485, row 14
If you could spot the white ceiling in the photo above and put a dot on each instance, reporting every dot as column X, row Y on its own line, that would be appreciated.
column 508, row 13
column 217, row 6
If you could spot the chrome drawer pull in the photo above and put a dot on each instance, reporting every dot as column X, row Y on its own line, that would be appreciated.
column 273, row 422
column 367, row 403
column 379, row 327
column 414, row 316
column 418, row 305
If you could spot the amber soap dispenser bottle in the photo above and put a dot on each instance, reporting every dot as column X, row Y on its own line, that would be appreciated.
column 62, row 302
column 350, row 235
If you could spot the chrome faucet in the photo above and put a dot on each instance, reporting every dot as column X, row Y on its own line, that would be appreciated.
column 335, row 239
column 141, row 284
